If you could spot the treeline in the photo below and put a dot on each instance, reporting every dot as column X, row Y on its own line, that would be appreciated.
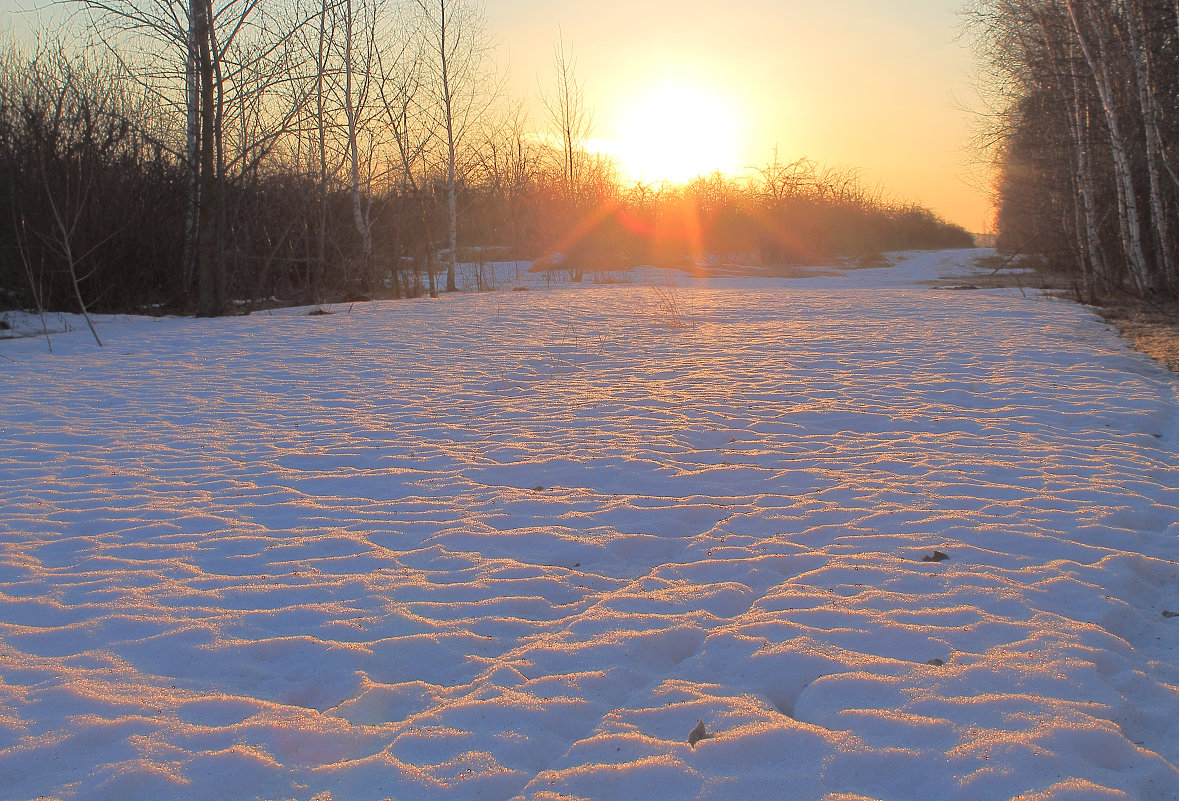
column 1087, row 101
column 182, row 154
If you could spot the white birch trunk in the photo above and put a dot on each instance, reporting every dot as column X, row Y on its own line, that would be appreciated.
column 1128, row 217
column 1090, row 252
column 1142, row 76
column 1094, row 256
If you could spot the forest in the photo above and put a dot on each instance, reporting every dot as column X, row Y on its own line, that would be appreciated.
column 1084, row 120
column 200, row 156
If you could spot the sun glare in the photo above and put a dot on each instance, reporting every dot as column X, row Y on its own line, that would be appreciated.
column 674, row 132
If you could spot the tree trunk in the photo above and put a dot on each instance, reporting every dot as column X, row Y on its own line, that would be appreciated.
column 358, row 216
column 313, row 283
column 448, row 111
column 1093, row 264
column 219, row 198
column 1090, row 255
column 210, row 300
column 192, row 152
column 1146, row 101
column 1128, row 217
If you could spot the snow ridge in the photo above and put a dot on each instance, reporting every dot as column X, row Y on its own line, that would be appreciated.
column 517, row 545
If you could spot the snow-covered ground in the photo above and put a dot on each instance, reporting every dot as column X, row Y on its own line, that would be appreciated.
column 517, row 544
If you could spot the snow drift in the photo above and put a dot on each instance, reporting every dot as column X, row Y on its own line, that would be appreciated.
column 883, row 541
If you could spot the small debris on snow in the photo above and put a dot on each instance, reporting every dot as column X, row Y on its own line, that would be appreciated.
column 1168, row 613
column 934, row 662
column 698, row 733
column 936, row 556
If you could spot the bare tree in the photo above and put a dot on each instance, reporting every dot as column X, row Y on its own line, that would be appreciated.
column 211, row 283
column 407, row 111
column 143, row 34
column 458, row 50
column 207, row 60
column 511, row 171
column 70, row 130
column 569, row 117
column 1082, row 132
column 359, row 65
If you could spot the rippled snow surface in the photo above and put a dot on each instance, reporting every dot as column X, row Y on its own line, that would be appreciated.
column 515, row 545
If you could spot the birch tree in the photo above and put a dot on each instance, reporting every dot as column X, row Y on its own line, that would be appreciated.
column 1149, row 107
column 458, row 52
column 1091, row 39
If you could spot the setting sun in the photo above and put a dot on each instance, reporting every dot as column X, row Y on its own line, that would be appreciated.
column 674, row 132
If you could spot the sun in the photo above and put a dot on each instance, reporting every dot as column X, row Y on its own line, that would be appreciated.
column 674, row 132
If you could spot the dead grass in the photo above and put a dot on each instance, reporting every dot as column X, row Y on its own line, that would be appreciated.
column 1150, row 328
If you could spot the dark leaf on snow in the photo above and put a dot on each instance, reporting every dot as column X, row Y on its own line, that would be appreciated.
column 697, row 734
column 936, row 556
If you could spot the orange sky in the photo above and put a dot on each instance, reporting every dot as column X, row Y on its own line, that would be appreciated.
column 879, row 86
column 875, row 85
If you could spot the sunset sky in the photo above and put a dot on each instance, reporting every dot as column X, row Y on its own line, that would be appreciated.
column 876, row 85
column 683, row 86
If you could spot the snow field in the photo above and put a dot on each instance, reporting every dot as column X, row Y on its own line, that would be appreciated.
column 515, row 545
